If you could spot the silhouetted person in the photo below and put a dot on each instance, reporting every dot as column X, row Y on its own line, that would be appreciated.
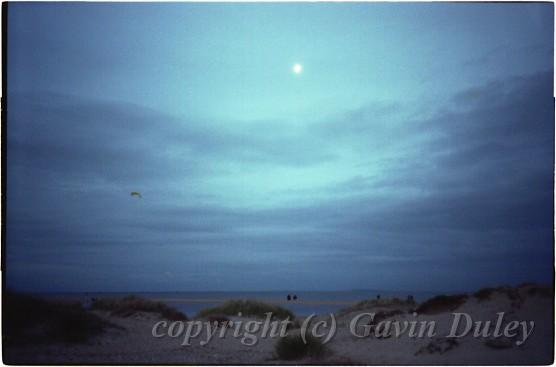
column 378, row 296
column 294, row 297
column 289, row 298
column 410, row 299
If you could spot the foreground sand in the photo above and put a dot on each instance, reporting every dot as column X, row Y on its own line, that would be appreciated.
column 134, row 344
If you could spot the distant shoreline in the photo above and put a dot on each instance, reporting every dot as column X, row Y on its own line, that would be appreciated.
column 269, row 300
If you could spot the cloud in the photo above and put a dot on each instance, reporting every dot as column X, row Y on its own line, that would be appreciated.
column 122, row 141
column 473, row 181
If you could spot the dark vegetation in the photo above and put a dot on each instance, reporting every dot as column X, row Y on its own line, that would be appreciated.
column 441, row 303
column 131, row 305
column 292, row 347
column 247, row 308
column 538, row 290
column 29, row 319
column 514, row 294
column 486, row 293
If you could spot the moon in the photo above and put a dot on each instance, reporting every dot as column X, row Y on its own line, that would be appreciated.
column 297, row 68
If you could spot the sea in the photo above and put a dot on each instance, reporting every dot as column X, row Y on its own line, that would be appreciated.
column 306, row 303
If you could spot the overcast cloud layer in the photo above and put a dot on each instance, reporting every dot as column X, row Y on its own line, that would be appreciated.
column 415, row 151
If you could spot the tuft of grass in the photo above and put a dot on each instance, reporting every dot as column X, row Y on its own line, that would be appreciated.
column 247, row 308
column 29, row 319
column 292, row 347
column 441, row 303
column 541, row 291
column 512, row 293
column 130, row 305
column 484, row 294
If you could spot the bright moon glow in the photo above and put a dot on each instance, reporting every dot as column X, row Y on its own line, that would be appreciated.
column 297, row 68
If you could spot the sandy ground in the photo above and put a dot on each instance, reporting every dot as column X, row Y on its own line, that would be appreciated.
column 134, row 343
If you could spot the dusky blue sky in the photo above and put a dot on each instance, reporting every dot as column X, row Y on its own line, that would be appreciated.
column 414, row 151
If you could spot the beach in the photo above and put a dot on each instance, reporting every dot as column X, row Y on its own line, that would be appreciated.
column 144, row 337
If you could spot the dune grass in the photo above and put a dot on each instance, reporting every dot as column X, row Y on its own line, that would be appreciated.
column 130, row 305
column 515, row 294
column 247, row 308
column 29, row 319
column 484, row 293
column 441, row 304
column 292, row 347
column 538, row 290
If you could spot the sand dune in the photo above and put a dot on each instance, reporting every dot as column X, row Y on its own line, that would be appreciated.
column 135, row 344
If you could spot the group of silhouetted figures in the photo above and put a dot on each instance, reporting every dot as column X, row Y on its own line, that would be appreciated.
column 290, row 297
